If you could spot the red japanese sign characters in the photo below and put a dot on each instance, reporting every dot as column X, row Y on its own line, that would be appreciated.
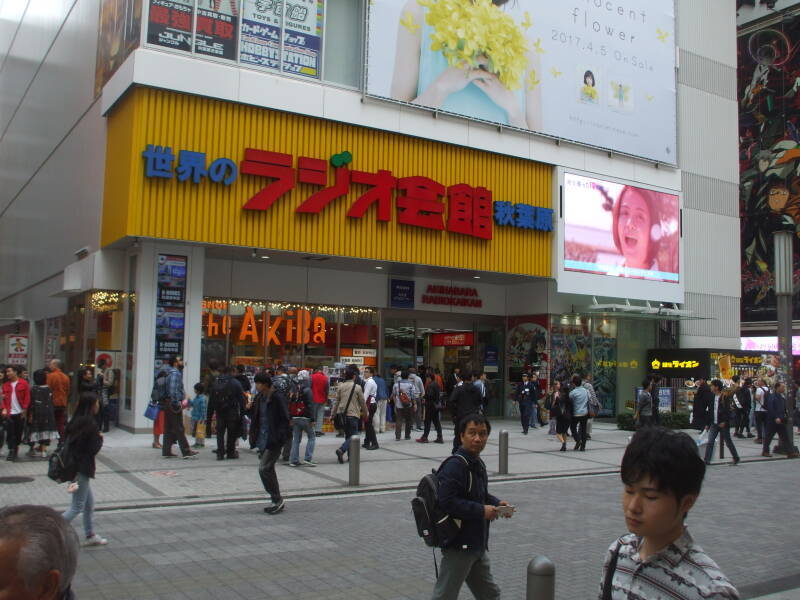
column 419, row 201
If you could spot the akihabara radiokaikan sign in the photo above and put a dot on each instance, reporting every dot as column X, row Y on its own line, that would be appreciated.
column 418, row 201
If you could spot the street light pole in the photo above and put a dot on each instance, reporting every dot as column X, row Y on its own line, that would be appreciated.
column 784, row 288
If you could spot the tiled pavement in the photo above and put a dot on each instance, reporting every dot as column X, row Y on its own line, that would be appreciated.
column 365, row 545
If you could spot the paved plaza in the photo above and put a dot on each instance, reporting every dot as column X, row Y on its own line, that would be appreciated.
column 195, row 529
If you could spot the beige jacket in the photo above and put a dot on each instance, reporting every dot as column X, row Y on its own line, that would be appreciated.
column 358, row 406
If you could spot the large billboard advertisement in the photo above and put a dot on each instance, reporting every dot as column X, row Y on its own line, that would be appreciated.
column 621, row 233
column 596, row 72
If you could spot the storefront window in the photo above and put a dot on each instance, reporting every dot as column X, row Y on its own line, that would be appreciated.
column 359, row 337
column 131, row 332
column 319, row 351
column 399, row 343
column 246, row 333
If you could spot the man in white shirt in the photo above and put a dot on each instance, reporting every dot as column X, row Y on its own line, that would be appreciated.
column 762, row 391
column 371, row 398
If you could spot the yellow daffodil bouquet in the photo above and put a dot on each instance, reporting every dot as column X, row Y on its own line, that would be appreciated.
column 478, row 34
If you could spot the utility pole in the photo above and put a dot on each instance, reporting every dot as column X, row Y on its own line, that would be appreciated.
column 784, row 289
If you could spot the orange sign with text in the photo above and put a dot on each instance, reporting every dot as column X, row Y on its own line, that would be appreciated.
column 291, row 327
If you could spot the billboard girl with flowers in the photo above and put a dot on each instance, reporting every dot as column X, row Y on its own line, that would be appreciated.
column 467, row 57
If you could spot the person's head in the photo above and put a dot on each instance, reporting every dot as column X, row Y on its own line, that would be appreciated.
column 748, row 381
column 588, row 78
column 662, row 475
column 587, row 376
column 213, row 364
column 701, row 380
column 780, row 388
column 176, row 362
column 369, row 372
column 303, row 375
column 403, row 373
column 483, row 376
column 473, row 431
column 292, row 371
column 86, row 373
column 716, row 386
column 40, row 377
column 318, row 369
column 457, row 370
column 468, row 375
column 38, row 553
column 101, row 364
column 430, row 377
column 647, row 383
column 634, row 215
column 761, row 382
column 394, row 369
column 436, row 371
column 54, row 364
column 525, row 378
column 12, row 373
column 199, row 388
column 351, row 372
column 88, row 405
column 556, row 385
column 280, row 369
column 735, row 379
column 576, row 380
column 240, row 369
column 263, row 382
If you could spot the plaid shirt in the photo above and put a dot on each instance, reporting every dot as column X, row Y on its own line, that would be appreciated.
column 681, row 571
column 175, row 385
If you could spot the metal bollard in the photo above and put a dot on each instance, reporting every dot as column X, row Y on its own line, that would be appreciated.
column 541, row 579
column 354, row 460
column 503, row 470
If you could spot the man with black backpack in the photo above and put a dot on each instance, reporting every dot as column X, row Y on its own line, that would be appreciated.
column 463, row 494
column 226, row 398
column 172, row 407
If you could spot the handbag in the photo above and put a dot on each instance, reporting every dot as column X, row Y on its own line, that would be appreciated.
column 151, row 412
column 339, row 419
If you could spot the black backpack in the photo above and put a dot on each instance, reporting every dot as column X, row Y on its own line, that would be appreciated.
column 220, row 395
column 434, row 526
column 62, row 466
column 159, row 391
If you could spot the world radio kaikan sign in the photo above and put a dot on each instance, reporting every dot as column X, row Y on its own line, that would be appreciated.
column 470, row 210
column 291, row 327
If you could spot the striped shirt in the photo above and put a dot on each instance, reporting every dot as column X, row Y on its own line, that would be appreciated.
column 681, row 571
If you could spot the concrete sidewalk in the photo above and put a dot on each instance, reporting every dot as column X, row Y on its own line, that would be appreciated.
column 132, row 474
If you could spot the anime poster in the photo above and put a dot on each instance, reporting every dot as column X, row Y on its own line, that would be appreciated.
column 261, row 34
column 571, row 347
column 170, row 308
column 118, row 36
column 769, row 160
column 170, row 24
column 217, row 28
column 528, row 346
column 604, row 359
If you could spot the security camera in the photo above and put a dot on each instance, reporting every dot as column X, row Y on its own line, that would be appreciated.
column 82, row 252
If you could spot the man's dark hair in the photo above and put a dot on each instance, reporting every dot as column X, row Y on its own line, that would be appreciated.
column 668, row 457
column 351, row 372
column 49, row 543
column 473, row 418
column 240, row 368
column 14, row 368
column 101, row 363
column 172, row 360
column 213, row 364
column 646, row 382
column 370, row 370
column 403, row 373
column 466, row 374
column 199, row 388
column 748, row 381
column 280, row 368
column 40, row 377
column 717, row 383
column 263, row 378
column 735, row 379
column 576, row 380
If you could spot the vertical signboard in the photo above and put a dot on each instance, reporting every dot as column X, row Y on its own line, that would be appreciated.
column 261, row 31
column 302, row 38
column 217, row 29
column 169, row 24
column 170, row 307
column 17, row 349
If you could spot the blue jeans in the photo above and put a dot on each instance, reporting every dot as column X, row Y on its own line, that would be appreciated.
column 724, row 437
column 350, row 429
column 534, row 419
column 82, row 502
column 299, row 425
column 319, row 416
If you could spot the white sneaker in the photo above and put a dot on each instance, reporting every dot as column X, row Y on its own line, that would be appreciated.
column 95, row 540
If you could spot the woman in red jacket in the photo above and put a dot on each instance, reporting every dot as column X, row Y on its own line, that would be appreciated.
column 16, row 398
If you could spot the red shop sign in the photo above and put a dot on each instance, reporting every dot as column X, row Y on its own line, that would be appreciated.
column 448, row 295
column 452, row 339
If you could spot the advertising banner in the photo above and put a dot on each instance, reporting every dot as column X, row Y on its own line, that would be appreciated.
column 401, row 293
column 170, row 308
column 170, row 24
column 302, row 38
column 118, row 35
column 594, row 72
column 261, row 34
column 620, row 230
column 217, row 29
column 17, row 347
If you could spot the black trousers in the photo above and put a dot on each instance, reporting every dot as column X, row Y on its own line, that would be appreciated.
column 370, row 439
column 173, row 432
column 227, row 424
column 579, row 430
column 15, row 425
column 771, row 429
column 743, row 420
column 525, row 409
column 761, row 424
column 403, row 415
column 287, row 446
column 432, row 416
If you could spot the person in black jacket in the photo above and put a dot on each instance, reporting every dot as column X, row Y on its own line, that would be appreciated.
column 718, row 416
column 562, row 412
column 466, row 400
column 745, row 398
column 464, row 494
column 702, row 398
column 526, row 394
column 303, row 422
column 226, row 398
column 776, row 422
column 432, row 401
column 84, row 441
column 269, row 429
